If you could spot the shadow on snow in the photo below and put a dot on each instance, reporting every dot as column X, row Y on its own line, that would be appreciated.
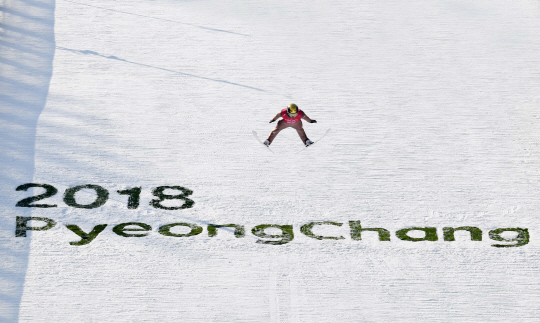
column 26, row 56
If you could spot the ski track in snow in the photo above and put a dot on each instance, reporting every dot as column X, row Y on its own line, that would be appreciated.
column 433, row 108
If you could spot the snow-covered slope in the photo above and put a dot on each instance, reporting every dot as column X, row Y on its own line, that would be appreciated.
column 433, row 107
column 26, row 55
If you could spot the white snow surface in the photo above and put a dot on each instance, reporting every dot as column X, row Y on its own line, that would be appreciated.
column 434, row 111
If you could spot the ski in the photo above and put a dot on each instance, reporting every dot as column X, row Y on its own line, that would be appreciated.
column 256, row 137
column 316, row 141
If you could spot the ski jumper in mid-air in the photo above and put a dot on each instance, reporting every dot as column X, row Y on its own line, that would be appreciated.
column 292, row 117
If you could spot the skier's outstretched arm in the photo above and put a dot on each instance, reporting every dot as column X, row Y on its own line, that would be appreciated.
column 305, row 117
column 276, row 117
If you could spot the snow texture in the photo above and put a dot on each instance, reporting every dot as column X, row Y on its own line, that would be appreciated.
column 434, row 110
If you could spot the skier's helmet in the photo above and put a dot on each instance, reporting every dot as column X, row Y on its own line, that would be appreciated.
column 292, row 110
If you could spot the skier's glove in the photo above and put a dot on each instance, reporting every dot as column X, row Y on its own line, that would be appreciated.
column 271, row 121
column 313, row 121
